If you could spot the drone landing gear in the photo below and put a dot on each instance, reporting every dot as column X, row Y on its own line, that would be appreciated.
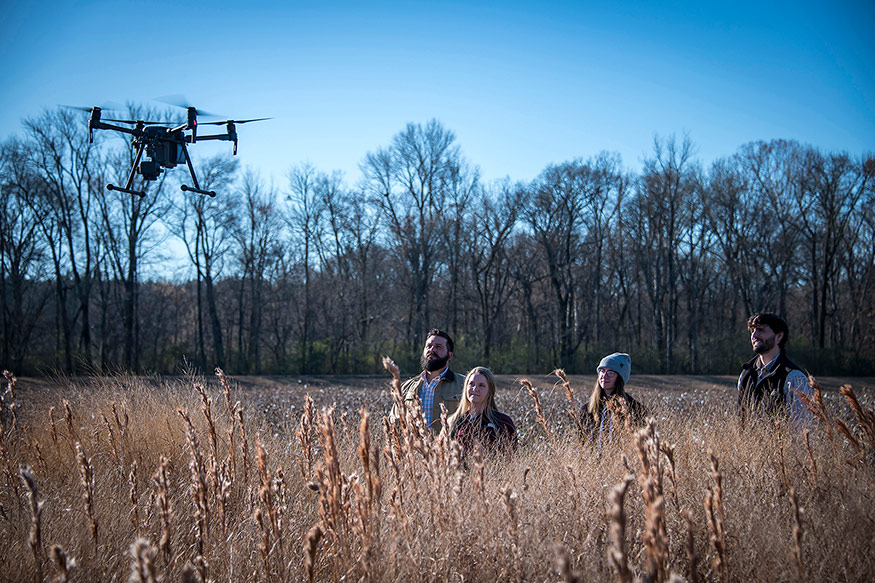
column 139, row 193
column 210, row 193
column 127, row 188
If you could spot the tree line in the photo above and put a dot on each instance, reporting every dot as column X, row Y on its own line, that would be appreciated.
column 320, row 276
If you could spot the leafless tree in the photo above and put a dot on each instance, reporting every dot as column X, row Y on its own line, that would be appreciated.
column 205, row 225
column 415, row 183
column 257, row 236
column 23, row 255
column 303, row 217
column 658, row 209
column 68, row 164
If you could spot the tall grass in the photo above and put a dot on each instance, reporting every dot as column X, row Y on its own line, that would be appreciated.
column 146, row 480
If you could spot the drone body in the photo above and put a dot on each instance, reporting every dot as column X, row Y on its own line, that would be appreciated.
column 165, row 146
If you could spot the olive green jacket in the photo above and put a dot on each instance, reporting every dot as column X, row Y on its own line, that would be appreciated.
column 448, row 391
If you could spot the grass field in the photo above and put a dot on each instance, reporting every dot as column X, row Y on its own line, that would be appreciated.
column 248, row 479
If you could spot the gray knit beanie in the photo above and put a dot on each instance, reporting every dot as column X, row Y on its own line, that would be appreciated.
column 619, row 362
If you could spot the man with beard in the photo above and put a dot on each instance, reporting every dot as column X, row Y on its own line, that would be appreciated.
column 436, row 384
column 770, row 381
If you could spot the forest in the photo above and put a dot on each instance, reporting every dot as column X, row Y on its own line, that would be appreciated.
column 315, row 275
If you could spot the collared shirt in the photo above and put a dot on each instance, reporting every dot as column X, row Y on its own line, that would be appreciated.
column 426, row 395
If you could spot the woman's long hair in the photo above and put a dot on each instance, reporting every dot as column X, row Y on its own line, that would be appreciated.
column 465, row 403
column 596, row 398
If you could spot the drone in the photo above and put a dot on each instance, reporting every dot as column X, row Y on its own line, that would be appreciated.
column 164, row 144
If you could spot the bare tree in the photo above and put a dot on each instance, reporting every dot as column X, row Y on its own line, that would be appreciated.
column 487, row 254
column 204, row 225
column 303, row 218
column 414, row 182
column 668, row 181
column 830, row 190
column 23, row 256
column 257, row 236
column 127, row 224
column 67, row 163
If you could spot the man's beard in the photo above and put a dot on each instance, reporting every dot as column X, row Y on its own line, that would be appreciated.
column 433, row 364
column 765, row 346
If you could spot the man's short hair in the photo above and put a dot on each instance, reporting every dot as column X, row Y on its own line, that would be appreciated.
column 435, row 332
column 773, row 321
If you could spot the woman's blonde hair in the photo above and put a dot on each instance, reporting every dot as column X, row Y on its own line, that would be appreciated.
column 465, row 403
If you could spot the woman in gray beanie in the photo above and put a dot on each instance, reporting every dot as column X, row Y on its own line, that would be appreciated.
column 597, row 418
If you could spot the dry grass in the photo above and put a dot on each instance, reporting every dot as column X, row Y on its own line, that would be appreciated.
column 149, row 480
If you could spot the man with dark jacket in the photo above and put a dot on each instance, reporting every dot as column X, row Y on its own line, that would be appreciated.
column 437, row 384
column 770, row 381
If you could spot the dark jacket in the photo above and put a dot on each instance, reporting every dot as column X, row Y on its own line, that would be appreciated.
column 500, row 434
column 768, row 393
column 594, row 428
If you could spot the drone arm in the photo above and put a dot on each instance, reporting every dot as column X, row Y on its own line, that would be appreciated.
column 99, row 125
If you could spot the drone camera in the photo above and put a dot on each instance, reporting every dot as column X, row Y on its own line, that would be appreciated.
column 150, row 169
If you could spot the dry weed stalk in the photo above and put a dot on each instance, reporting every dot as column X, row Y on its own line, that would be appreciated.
column 692, row 556
column 267, row 496
column 134, row 497
column 508, row 500
column 807, row 434
column 34, row 538
column 264, row 545
column 63, row 564
column 797, row 536
column 865, row 417
column 198, row 488
column 86, row 478
column 161, row 480
column 617, row 553
column 311, row 545
column 569, row 394
column 143, row 556
column 121, row 423
column 12, row 479
column 563, row 565
column 647, row 443
column 244, row 445
column 116, row 455
column 815, row 405
column 10, row 388
column 538, row 409
column 230, row 408
column 213, row 460
column 53, row 430
column 72, row 435
column 329, row 477
column 714, row 512
column 372, row 490
column 304, row 434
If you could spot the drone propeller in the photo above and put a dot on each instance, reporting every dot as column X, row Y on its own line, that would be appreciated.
column 179, row 100
column 140, row 121
column 234, row 121
column 108, row 106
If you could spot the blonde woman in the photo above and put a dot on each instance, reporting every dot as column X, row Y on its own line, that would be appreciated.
column 613, row 374
column 477, row 419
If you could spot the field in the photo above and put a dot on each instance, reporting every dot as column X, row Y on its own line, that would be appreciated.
column 248, row 479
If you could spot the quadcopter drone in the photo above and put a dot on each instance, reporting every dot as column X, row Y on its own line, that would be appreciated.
column 164, row 145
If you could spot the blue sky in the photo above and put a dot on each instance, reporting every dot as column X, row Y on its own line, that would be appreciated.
column 522, row 84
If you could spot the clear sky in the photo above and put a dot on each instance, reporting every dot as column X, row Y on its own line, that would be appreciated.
column 522, row 84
